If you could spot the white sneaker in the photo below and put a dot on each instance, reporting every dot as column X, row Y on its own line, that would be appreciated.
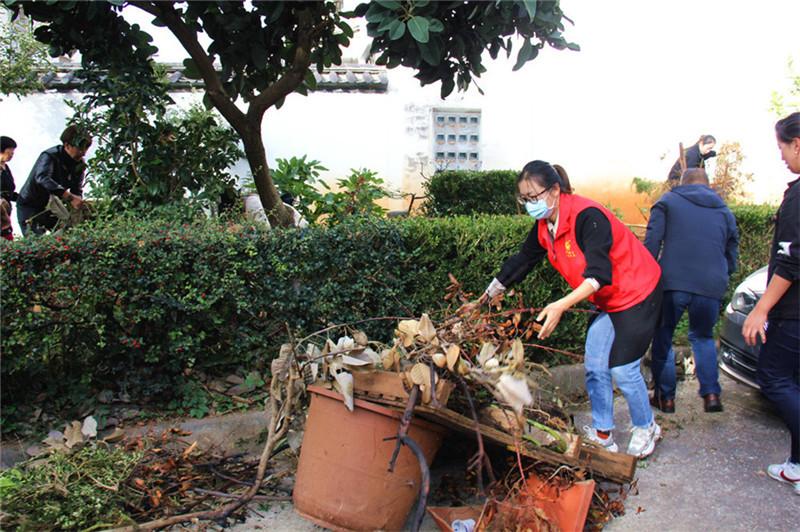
column 590, row 433
column 787, row 472
column 643, row 440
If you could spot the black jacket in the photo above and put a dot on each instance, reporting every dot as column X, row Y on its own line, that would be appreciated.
column 693, row 160
column 8, row 190
column 784, row 255
column 54, row 172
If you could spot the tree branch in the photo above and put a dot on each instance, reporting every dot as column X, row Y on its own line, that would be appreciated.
column 294, row 77
column 188, row 39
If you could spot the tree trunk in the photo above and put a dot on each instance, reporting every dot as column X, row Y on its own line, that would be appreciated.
column 276, row 211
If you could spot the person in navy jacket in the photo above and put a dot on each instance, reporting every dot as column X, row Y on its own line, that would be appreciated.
column 693, row 235
column 604, row 262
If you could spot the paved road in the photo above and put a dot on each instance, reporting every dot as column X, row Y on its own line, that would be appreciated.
column 707, row 473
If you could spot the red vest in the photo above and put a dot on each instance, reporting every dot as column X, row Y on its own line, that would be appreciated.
column 634, row 272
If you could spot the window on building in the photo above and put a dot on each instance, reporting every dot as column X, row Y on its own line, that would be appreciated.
column 460, row 128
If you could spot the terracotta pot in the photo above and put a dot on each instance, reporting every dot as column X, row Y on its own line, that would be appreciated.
column 342, row 481
column 564, row 509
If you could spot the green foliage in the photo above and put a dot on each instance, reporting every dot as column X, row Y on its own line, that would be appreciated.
column 299, row 177
column 137, row 303
column 467, row 192
column 356, row 196
column 147, row 155
column 68, row 491
column 445, row 41
column 787, row 100
column 20, row 55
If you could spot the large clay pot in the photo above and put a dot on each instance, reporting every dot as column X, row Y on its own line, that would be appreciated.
column 343, row 482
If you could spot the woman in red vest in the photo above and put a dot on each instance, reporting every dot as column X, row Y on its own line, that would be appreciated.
column 602, row 260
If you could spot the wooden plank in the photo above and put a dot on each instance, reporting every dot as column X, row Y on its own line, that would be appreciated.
column 616, row 467
column 389, row 384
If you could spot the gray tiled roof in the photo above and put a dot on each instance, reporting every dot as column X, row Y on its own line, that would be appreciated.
column 346, row 78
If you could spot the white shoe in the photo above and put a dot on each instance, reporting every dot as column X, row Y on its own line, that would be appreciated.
column 643, row 440
column 590, row 433
column 787, row 472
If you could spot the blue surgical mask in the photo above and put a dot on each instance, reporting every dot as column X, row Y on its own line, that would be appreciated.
column 539, row 209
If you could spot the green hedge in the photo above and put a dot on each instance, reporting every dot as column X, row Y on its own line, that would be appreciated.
column 134, row 304
column 467, row 192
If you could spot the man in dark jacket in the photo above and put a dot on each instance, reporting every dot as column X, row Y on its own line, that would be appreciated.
column 58, row 171
column 693, row 235
column 696, row 157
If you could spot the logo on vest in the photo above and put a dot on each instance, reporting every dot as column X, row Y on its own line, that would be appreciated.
column 568, row 249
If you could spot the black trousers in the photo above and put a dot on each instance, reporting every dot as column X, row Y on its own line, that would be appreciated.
column 779, row 375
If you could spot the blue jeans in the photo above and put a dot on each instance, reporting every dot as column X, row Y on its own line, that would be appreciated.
column 599, row 379
column 779, row 375
column 703, row 315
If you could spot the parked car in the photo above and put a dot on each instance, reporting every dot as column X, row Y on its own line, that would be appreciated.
column 737, row 359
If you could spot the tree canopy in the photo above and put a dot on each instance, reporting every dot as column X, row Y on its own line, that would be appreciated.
column 262, row 51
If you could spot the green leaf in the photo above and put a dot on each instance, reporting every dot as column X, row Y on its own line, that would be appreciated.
column 387, row 23
column 526, row 53
column 397, row 30
column 418, row 26
column 530, row 6
column 375, row 13
column 436, row 25
column 190, row 69
column 431, row 52
column 389, row 4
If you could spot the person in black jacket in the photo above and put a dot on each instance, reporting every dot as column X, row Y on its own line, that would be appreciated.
column 693, row 235
column 58, row 171
column 696, row 157
column 776, row 316
column 8, row 190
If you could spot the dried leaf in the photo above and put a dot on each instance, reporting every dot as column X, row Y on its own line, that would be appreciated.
column 329, row 347
column 348, row 360
column 426, row 329
column 189, row 450
column 426, row 394
column 73, row 434
column 492, row 363
column 387, row 359
column 361, row 338
column 453, row 353
column 344, row 384
column 313, row 352
column 517, row 355
column 280, row 366
column 439, row 359
column 420, row 374
column 371, row 355
column 345, row 343
column 488, row 350
column 514, row 392
column 89, row 428
column 115, row 436
column 406, row 331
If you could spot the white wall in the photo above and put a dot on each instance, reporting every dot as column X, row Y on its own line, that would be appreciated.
column 650, row 75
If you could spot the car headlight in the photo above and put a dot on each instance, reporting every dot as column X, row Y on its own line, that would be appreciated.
column 743, row 301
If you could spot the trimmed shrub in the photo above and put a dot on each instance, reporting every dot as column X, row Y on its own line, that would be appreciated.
column 467, row 192
column 134, row 304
